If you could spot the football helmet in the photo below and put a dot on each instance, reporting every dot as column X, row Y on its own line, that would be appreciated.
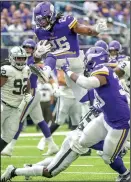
column 95, row 56
column 103, row 44
column 44, row 15
column 29, row 43
column 18, row 57
column 114, row 48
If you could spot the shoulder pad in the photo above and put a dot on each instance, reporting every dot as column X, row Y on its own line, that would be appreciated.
column 100, row 70
column 7, row 70
column 70, row 21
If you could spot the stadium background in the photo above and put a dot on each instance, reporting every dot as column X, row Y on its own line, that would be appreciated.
column 17, row 25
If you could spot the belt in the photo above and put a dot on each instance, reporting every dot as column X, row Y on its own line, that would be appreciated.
column 8, row 104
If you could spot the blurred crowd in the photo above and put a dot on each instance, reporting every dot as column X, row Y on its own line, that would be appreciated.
column 17, row 19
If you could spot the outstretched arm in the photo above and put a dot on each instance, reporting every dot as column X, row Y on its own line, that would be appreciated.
column 90, row 30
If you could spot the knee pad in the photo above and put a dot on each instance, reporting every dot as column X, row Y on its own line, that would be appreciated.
column 106, row 158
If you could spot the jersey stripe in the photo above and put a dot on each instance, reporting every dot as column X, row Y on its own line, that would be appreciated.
column 100, row 72
column 71, row 25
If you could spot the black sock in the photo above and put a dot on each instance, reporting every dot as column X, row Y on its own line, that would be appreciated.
column 54, row 127
column 2, row 144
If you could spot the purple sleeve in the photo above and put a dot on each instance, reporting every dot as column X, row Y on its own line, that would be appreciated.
column 33, row 81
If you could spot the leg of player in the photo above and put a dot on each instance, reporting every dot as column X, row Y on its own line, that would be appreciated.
column 113, row 144
column 8, row 150
column 38, row 120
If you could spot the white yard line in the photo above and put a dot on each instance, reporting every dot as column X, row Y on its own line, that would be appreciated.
column 35, row 156
column 94, row 173
column 40, row 134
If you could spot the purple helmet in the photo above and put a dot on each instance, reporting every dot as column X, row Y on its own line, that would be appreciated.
column 29, row 43
column 44, row 15
column 103, row 44
column 115, row 45
column 95, row 56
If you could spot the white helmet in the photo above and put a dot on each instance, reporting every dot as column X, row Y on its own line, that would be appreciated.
column 18, row 57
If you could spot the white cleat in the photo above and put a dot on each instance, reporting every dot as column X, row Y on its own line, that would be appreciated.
column 7, row 151
column 7, row 175
column 100, row 153
column 53, row 149
column 41, row 144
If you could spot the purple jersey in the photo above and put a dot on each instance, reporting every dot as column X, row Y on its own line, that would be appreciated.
column 61, row 37
column 33, row 77
column 111, row 99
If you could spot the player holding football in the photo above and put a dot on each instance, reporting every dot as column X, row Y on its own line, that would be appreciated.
column 61, row 32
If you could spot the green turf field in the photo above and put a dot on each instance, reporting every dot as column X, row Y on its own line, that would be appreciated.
column 83, row 169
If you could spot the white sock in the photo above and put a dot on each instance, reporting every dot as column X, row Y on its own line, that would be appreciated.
column 50, row 141
column 30, row 171
column 125, row 173
column 13, row 142
column 47, row 70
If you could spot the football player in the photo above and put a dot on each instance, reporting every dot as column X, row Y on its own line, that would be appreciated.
column 29, row 45
column 114, row 127
column 61, row 32
column 15, row 94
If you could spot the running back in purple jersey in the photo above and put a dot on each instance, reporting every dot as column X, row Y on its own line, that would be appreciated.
column 61, row 36
column 111, row 99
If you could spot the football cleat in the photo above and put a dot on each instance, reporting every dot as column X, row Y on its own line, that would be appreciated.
column 41, row 144
column 7, row 151
column 53, row 149
column 124, row 178
column 8, row 174
column 27, row 166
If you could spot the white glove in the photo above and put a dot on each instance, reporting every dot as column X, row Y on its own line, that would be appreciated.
column 101, row 26
column 42, row 48
column 26, row 99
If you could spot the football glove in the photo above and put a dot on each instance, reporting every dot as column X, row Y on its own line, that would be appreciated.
column 101, row 26
column 42, row 48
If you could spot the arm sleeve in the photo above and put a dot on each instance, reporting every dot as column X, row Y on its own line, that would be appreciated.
column 88, row 83
column 6, row 71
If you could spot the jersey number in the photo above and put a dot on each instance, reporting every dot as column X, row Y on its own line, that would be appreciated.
column 20, row 86
column 60, row 43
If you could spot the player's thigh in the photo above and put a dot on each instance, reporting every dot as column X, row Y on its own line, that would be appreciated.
column 5, row 113
column 62, row 110
column 93, row 132
column 63, row 159
column 10, row 125
column 75, row 112
column 113, row 143
column 36, row 114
